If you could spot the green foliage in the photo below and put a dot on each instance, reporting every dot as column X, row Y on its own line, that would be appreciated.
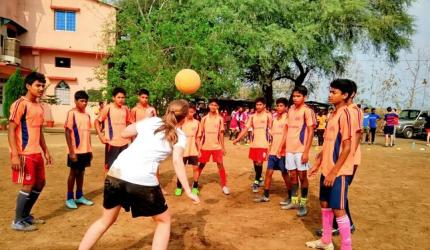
column 4, row 121
column 50, row 99
column 95, row 95
column 13, row 89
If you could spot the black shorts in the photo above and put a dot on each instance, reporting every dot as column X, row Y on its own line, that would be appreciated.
column 111, row 153
column 388, row 130
column 84, row 160
column 191, row 160
column 142, row 200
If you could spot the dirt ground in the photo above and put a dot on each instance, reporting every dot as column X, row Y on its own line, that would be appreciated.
column 388, row 199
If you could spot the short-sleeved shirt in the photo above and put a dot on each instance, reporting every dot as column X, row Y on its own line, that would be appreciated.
column 278, row 128
column 260, row 124
column 139, row 163
column 322, row 120
column 211, row 128
column 298, row 121
column 373, row 118
column 339, row 129
column 191, row 129
column 115, row 121
column 356, row 126
column 366, row 120
column 28, row 116
column 139, row 113
column 79, row 124
column 241, row 119
column 390, row 119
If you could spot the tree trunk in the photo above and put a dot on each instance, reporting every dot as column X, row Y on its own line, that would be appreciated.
column 268, row 93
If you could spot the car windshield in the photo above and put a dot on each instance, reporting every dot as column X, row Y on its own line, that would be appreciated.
column 409, row 114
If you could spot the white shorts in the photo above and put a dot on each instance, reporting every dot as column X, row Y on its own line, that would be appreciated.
column 293, row 161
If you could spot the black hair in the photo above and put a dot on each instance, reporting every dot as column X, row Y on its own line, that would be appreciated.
column 301, row 89
column 260, row 99
column 373, row 109
column 143, row 92
column 345, row 86
column 282, row 100
column 192, row 106
column 389, row 109
column 366, row 108
column 81, row 95
column 359, row 106
column 34, row 76
column 213, row 100
column 118, row 90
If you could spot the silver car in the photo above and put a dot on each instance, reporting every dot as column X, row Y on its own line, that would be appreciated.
column 411, row 122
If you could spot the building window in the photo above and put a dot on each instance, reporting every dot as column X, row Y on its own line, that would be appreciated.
column 62, row 92
column 65, row 20
column 62, row 62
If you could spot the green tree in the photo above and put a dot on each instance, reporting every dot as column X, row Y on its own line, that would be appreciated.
column 13, row 89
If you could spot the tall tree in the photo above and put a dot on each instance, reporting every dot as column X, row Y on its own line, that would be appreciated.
column 13, row 89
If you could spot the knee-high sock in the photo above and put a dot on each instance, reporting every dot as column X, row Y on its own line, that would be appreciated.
column 21, row 201
column 32, row 198
column 335, row 225
column 258, row 171
column 178, row 184
column 327, row 220
column 222, row 176
column 345, row 232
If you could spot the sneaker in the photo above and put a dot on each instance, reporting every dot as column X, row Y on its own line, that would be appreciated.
column 32, row 220
column 319, row 245
column 292, row 205
column 303, row 211
column 195, row 191
column 352, row 229
column 261, row 182
column 262, row 199
column 225, row 190
column 285, row 202
column 255, row 187
column 178, row 191
column 84, row 201
column 71, row 204
column 23, row 226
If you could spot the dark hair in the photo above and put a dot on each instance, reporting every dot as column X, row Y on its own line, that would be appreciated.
column 282, row 100
column 118, row 90
column 345, row 86
column 81, row 95
column 213, row 100
column 301, row 89
column 373, row 109
column 366, row 108
column 260, row 99
column 34, row 76
column 143, row 92
column 359, row 105
column 389, row 109
column 192, row 106
column 101, row 103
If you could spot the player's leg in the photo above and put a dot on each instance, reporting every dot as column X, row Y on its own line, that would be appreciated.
column 291, row 166
column 39, row 184
column 222, row 176
column 162, row 231
column 98, row 228
column 338, row 202
column 178, row 190
column 80, row 198
column 70, row 202
column 304, row 187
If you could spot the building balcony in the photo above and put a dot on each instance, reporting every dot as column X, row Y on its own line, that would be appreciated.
column 9, row 51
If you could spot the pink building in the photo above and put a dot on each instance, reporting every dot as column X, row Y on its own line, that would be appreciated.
column 63, row 39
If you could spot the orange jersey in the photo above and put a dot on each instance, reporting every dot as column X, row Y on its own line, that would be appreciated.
column 79, row 124
column 339, row 129
column 278, row 127
column 191, row 129
column 260, row 124
column 29, row 118
column 116, row 120
column 211, row 129
column 356, row 121
column 297, row 122
column 139, row 113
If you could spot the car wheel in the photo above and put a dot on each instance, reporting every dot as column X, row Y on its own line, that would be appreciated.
column 408, row 133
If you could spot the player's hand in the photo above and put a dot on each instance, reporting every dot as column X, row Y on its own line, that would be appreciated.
column 73, row 157
column 312, row 172
column 103, row 139
column 235, row 141
column 305, row 158
column 16, row 162
column 48, row 158
column 194, row 197
column 224, row 152
column 278, row 154
column 329, row 179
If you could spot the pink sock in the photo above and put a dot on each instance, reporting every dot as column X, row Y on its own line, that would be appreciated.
column 222, row 176
column 327, row 224
column 345, row 232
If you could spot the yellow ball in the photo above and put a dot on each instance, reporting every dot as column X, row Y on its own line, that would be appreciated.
column 187, row 81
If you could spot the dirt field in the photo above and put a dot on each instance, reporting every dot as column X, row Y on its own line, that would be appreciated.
column 389, row 202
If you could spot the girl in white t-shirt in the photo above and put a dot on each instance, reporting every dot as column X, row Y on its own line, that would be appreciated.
column 132, row 183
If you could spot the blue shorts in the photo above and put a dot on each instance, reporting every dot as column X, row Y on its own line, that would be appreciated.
column 337, row 195
column 274, row 163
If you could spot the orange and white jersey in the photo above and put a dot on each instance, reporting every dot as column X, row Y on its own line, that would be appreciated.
column 260, row 124
column 278, row 127
column 79, row 124
column 115, row 121
column 210, row 132
column 297, row 122
column 139, row 113
column 356, row 123
column 191, row 129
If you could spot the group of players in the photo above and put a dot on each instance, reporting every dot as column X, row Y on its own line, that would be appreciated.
column 137, row 141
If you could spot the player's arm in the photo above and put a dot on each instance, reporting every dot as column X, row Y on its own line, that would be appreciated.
column 283, row 141
column 42, row 143
column 346, row 149
column 310, row 127
column 178, row 165
column 244, row 131
column 98, row 125
column 129, row 132
column 67, row 133
column 12, row 144
column 221, row 134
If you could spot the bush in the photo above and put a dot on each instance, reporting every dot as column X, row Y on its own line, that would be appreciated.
column 13, row 89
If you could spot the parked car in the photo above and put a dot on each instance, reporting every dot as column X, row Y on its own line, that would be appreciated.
column 411, row 122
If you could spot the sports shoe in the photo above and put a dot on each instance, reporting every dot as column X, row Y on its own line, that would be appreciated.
column 32, row 220
column 225, row 190
column 285, row 202
column 84, row 201
column 262, row 199
column 178, row 191
column 22, row 226
column 303, row 211
column 261, row 182
column 195, row 191
column 293, row 204
column 319, row 245
column 70, row 203
column 255, row 187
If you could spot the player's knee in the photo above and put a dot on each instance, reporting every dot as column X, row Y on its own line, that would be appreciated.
column 39, row 185
column 164, row 218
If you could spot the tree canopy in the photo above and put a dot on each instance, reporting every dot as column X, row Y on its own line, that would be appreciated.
column 13, row 89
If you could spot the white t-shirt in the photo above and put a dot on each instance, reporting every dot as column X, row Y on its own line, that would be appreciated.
column 139, row 163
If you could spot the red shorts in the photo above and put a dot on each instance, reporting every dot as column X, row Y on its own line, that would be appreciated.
column 428, row 130
column 32, row 171
column 258, row 154
column 206, row 155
